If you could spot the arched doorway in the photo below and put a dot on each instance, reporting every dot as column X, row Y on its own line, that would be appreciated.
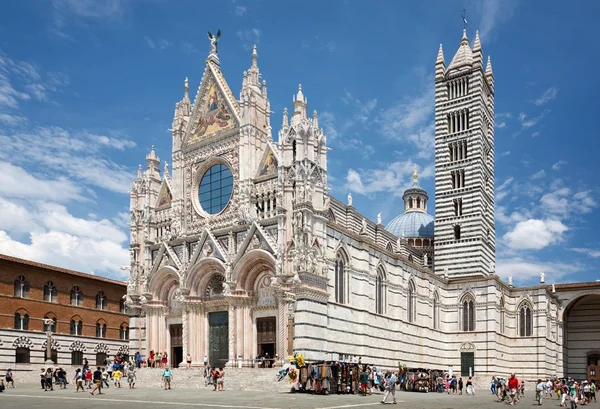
column 581, row 342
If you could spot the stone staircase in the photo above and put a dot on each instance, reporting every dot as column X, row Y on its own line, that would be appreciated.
column 245, row 379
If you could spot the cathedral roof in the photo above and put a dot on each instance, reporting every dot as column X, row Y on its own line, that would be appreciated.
column 464, row 54
column 412, row 224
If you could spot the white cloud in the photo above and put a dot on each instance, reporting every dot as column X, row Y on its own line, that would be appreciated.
column 501, row 125
column 17, row 182
column 527, row 122
column 160, row 44
column 527, row 270
column 328, row 121
column 364, row 108
column 188, row 48
column 391, row 179
column 12, row 120
column 82, row 12
column 594, row 253
column 249, row 37
column 563, row 202
column 539, row 175
column 535, row 234
column 535, row 134
column 116, row 143
column 9, row 96
column 559, row 164
column 493, row 13
column 240, row 10
column 547, row 96
column 514, row 217
column 505, row 153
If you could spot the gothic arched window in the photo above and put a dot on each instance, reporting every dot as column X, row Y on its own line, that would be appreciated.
column 124, row 331
column 411, row 302
column 468, row 314
column 101, row 301
column 76, row 297
column 101, row 329
column 50, row 292
column 340, row 284
column 76, row 326
column 525, row 320
column 21, row 287
column 22, row 321
column 380, row 292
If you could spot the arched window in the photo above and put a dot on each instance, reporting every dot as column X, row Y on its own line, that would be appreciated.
column 122, row 306
column 76, row 326
column 76, row 297
column 468, row 314
column 380, row 292
column 50, row 327
column 124, row 332
column 21, row 287
column 525, row 321
column 436, row 311
column 22, row 321
column 340, row 284
column 418, row 202
column 77, row 358
column 456, row 232
column 410, row 203
column 100, row 329
column 502, row 315
column 50, row 292
column 101, row 302
column 22, row 355
column 411, row 302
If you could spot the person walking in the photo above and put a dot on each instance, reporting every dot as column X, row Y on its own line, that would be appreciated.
column 539, row 391
column 131, row 378
column 97, row 381
column 460, row 386
column 9, row 378
column 513, row 385
column 470, row 389
column 117, row 377
column 390, row 387
column 48, row 375
column 188, row 361
column 166, row 376
column 221, row 380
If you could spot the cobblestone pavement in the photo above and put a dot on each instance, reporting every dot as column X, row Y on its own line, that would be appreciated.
column 31, row 397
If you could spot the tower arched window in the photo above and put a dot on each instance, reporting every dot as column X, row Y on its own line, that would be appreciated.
column 502, row 315
column 76, row 326
column 101, row 329
column 456, row 232
column 525, row 320
column 22, row 321
column 124, row 332
column 50, row 292
column 76, row 297
column 380, row 295
column 340, row 282
column 436, row 311
column 418, row 202
column 410, row 203
column 101, row 301
column 21, row 287
column 411, row 302
column 468, row 314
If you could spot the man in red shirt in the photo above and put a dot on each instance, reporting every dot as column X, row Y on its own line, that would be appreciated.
column 513, row 385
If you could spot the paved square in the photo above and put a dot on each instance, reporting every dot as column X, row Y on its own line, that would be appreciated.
column 148, row 398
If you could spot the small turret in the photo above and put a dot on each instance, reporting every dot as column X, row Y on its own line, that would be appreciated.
column 440, row 65
column 152, row 160
column 315, row 120
column 139, row 173
column 285, row 122
column 300, row 104
column 489, row 74
column 477, row 53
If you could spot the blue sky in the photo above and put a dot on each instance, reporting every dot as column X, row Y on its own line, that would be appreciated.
column 86, row 87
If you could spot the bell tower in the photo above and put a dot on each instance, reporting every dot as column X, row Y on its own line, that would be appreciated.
column 465, row 238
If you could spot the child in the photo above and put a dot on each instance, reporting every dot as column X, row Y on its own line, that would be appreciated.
column 166, row 376
column 131, row 377
column 117, row 378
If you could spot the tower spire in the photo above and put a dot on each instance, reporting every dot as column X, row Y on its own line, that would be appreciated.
column 477, row 54
column 440, row 65
column 186, row 90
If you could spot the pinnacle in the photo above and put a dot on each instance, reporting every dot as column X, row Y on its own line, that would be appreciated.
column 488, row 67
column 440, row 56
column 477, row 43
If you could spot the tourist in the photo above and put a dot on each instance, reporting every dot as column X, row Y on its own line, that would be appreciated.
column 165, row 361
column 157, row 360
column 215, row 377
column 565, row 392
column 48, row 377
column 460, row 386
column 9, row 378
column 166, row 377
column 513, row 386
column 493, row 385
column 78, row 379
column 593, row 392
column 221, row 380
column 364, row 381
column 117, row 378
column 62, row 378
column 205, row 360
column 97, row 381
column 151, row 359
column 188, row 361
column 88, row 378
column 548, row 387
column 131, row 378
column 105, row 378
column 470, row 389
column 390, row 387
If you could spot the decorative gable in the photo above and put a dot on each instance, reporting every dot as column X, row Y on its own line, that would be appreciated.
column 268, row 164
column 165, row 196
column 215, row 110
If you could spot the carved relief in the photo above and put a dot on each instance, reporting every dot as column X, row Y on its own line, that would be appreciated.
column 23, row 342
column 102, row 348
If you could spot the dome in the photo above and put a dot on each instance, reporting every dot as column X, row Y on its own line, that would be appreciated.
column 412, row 224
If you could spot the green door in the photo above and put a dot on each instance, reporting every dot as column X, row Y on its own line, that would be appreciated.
column 467, row 361
column 218, row 338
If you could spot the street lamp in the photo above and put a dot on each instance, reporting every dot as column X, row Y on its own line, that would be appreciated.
column 48, row 322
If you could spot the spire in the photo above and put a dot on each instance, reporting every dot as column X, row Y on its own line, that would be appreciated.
column 464, row 54
column 186, row 90
column 440, row 56
column 440, row 65
column 488, row 67
column 166, row 171
column 415, row 174
column 253, row 73
column 254, row 57
column 152, row 160
column 315, row 119
column 139, row 172
column 285, row 123
column 477, row 54
column 264, row 87
column 410, row 196
column 300, row 103
column 477, row 43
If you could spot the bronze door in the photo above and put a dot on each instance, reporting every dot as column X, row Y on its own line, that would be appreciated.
column 266, row 336
column 218, row 338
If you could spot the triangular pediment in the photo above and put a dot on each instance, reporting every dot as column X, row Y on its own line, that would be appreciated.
column 268, row 164
column 165, row 257
column 208, row 246
column 165, row 196
column 256, row 238
column 215, row 111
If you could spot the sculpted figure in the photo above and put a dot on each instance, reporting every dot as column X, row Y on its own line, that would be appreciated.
column 349, row 199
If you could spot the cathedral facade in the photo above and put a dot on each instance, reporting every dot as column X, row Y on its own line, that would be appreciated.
column 239, row 251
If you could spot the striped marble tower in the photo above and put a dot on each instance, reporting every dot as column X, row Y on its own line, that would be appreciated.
column 464, row 163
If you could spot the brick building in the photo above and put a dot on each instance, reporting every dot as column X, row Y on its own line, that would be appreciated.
column 89, row 314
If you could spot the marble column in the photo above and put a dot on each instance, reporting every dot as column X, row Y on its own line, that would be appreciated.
column 184, row 332
column 231, row 329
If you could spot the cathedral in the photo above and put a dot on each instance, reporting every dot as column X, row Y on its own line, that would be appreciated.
column 238, row 250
